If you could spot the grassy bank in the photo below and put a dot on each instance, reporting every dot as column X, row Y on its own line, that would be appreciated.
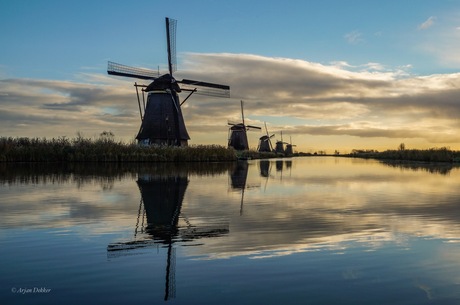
column 105, row 150
column 427, row 155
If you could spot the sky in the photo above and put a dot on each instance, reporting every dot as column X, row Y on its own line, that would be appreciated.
column 331, row 75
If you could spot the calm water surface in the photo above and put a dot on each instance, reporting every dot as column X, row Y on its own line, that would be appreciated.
column 316, row 230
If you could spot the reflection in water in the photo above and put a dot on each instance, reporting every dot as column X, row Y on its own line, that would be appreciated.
column 395, row 227
column 162, row 193
column 238, row 177
column 264, row 166
column 81, row 173
column 433, row 168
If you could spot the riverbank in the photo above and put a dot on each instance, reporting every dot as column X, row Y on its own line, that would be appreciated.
column 105, row 150
column 426, row 155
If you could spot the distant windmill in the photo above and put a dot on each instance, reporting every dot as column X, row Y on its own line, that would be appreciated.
column 161, row 116
column 265, row 144
column 289, row 151
column 238, row 138
column 279, row 147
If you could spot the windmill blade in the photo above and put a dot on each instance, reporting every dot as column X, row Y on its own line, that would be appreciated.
column 271, row 136
column 171, row 43
column 204, row 84
column 204, row 88
column 254, row 127
column 127, row 71
column 266, row 129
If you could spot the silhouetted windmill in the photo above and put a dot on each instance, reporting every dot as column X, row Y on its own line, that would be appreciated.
column 161, row 116
column 279, row 147
column 265, row 144
column 289, row 151
column 238, row 138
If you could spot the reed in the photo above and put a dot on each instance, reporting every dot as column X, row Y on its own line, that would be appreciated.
column 442, row 154
column 105, row 149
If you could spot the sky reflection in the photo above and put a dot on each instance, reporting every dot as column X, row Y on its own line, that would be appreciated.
column 277, row 206
column 238, row 233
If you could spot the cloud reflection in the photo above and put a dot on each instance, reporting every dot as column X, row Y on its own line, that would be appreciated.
column 283, row 207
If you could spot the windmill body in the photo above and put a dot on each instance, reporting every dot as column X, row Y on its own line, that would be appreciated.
column 279, row 147
column 161, row 116
column 265, row 144
column 289, row 151
column 163, row 122
column 289, row 148
column 238, row 138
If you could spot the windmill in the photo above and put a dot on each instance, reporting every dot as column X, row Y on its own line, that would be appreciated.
column 238, row 138
column 265, row 144
column 289, row 151
column 161, row 117
column 279, row 147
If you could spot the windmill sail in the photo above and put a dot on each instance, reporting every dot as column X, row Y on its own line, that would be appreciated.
column 171, row 43
column 122, row 70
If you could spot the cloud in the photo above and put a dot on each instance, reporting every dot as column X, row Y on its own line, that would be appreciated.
column 52, row 108
column 301, row 97
column 427, row 24
column 354, row 37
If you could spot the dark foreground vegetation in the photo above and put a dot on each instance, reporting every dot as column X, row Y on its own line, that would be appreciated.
column 105, row 149
column 427, row 155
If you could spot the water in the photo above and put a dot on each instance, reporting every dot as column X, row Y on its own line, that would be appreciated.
column 314, row 230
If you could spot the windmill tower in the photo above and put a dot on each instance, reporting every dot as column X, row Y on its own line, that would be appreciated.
column 162, row 121
column 289, row 151
column 265, row 144
column 279, row 147
column 238, row 138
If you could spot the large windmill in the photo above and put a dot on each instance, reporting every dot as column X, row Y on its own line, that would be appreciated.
column 162, row 120
column 238, row 138
column 265, row 144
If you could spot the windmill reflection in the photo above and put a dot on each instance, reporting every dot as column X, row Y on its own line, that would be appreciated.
column 238, row 180
column 265, row 167
column 158, row 218
column 162, row 198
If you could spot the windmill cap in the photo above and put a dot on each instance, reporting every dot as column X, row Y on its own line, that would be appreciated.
column 163, row 82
